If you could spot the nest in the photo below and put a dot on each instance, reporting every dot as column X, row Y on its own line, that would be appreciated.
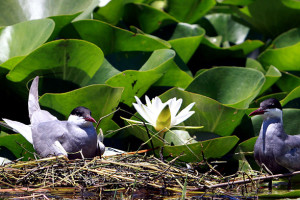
column 126, row 173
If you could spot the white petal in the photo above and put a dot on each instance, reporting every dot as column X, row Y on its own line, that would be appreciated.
column 182, row 118
column 138, row 100
column 182, row 114
column 175, row 106
column 150, row 115
column 148, row 102
column 157, row 106
column 142, row 112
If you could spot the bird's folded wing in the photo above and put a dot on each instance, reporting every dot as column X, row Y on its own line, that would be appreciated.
column 47, row 138
column 21, row 128
column 290, row 158
column 41, row 116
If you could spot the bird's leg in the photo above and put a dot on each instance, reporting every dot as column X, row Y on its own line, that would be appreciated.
column 268, row 171
column 82, row 156
column 266, row 168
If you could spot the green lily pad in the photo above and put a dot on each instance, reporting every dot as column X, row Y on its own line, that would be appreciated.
column 231, row 86
column 214, row 148
column 270, row 20
column 193, row 9
column 288, row 81
column 14, row 11
column 17, row 145
column 147, row 18
column 63, row 59
column 135, row 83
column 162, row 61
column 272, row 75
column 292, row 97
column 111, row 12
column 230, row 30
column 112, row 39
column 215, row 117
column 20, row 39
column 100, row 99
column 286, row 39
column 186, row 39
column 285, row 59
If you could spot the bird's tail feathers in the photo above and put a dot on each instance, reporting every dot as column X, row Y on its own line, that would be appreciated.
column 33, row 99
column 21, row 128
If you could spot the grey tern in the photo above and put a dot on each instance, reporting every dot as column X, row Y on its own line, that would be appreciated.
column 75, row 138
column 274, row 149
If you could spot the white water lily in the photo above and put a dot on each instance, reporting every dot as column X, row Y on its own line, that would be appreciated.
column 163, row 116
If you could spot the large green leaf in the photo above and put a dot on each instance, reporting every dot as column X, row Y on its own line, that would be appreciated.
column 147, row 18
column 231, row 86
column 292, row 99
column 20, row 39
column 189, row 11
column 73, row 60
column 271, row 20
column 214, row 148
column 215, row 117
column 272, row 75
column 113, row 39
column 100, row 99
column 186, row 39
column 62, row 12
column 174, row 73
column 286, row 39
column 17, row 145
column 135, row 83
column 285, row 59
column 283, row 52
column 288, row 81
column 111, row 12
column 161, row 61
column 15, row 11
column 230, row 30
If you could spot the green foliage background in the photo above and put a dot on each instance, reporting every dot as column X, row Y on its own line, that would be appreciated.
column 225, row 55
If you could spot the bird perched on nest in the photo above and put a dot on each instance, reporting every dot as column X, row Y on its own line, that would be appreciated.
column 75, row 138
column 274, row 149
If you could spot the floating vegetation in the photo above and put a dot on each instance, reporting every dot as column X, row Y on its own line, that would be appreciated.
column 122, row 174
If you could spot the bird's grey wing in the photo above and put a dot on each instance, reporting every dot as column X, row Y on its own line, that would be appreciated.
column 47, row 138
column 21, row 128
column 290, row 156
column 33, row 99
column 41, row 116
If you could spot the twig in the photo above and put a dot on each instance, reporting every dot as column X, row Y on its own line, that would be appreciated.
column 267, row 177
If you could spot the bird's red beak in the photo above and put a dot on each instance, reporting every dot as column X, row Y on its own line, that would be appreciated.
column 90, row 119
column 257, row 112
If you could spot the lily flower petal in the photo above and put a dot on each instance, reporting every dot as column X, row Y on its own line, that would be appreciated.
column 163, row 115
column 184, row 114
column 142, row 112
